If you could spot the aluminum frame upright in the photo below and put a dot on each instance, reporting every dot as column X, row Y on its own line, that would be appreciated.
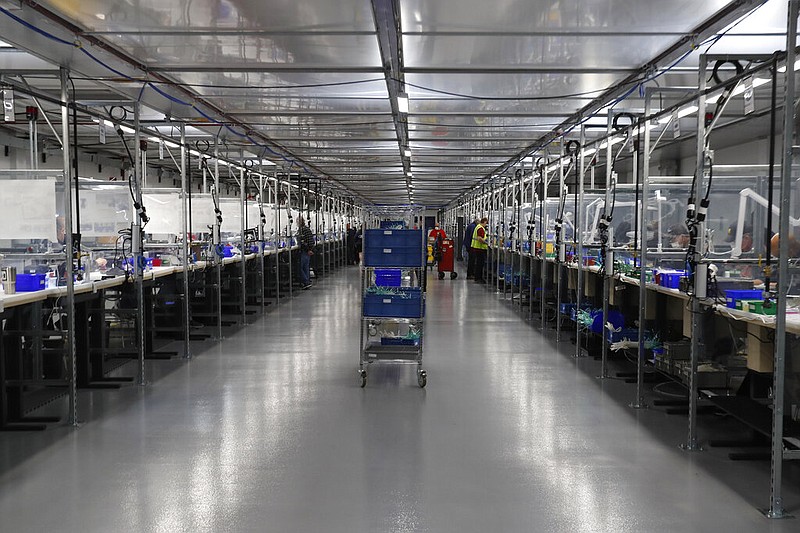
column 560, row 247
column 185, row 184
column 137, row 237
column 578, row 238
column 778, row 453
column 242, row 227
column 543, row 242
column 608, row 260
column 72, row 417
column 641, row 352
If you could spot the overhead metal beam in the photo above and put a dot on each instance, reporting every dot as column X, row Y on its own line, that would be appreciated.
column 267, row 68
column 520, row 69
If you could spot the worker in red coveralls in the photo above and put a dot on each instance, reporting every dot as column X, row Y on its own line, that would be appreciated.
column 435, row 238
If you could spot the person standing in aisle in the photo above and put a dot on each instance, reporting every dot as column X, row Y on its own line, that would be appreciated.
column 306, row 239
column 467, row 245
column 352, row 256
column 480, row 246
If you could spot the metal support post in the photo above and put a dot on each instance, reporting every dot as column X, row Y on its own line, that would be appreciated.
column 560, row 247
column 691, row 443
column 72, row 417
column 261, row 241
column 137, row 245
column 243, row 177
column 185, row 185
column 276, row 238
column 641, row 352
column 217, row 230
column 542, row 240
column 578, row 237
column 289, row 231
column 776, row 509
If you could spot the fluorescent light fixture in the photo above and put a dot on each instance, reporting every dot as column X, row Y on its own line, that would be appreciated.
column 407, row 152
column 796, row 67
column 686, row 111
column 402, row 102
column 168, row 144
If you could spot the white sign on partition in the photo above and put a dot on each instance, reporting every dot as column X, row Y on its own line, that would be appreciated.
column 28, row 209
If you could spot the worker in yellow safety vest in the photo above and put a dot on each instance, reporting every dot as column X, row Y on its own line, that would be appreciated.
column 479, row 248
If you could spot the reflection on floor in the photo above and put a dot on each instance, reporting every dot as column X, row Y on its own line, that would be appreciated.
column 269, row 431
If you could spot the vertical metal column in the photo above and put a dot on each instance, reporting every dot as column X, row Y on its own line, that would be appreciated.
column 776, row 509
column 639, row 402
column 136, row 236
column 261, row 241
column 577, row 233
column 608, row 259
column 691, row 443
column 561, row 246
column 541, row 238
column 289, row 231
column 72, row 417
column 277, row 238
column 185, row 185
column 243, row 225
column 217, row 259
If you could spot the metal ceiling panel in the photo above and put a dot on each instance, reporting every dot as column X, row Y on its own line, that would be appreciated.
column 228, row 51
column 562, row 51
column 268, row 105
column 200, row 15
column 521, row 85
column 660, row 16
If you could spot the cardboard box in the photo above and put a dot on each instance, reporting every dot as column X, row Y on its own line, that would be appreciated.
column 760, row 355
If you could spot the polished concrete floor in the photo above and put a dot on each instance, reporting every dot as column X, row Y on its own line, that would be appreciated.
column 269, row 431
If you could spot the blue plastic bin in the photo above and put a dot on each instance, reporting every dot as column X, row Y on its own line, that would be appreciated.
column 31, row 282
column 389, row 305
column 388, row 277
column 386, row 247
column 731, row 297
column 671, row 279
column 393, row 224
column 399, row 341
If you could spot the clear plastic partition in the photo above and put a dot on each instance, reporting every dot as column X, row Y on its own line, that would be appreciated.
column 739, row 216
column 164, row 232
column 545, row 228
column 32, row 230
column 590, row 210
column 106, row 216
column 202, row 217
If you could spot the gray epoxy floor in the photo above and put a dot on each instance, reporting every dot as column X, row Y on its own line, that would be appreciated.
column 269, row 431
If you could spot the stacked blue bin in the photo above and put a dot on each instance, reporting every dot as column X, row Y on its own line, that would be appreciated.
column 397, row 249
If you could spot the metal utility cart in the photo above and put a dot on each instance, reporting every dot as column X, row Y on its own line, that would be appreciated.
column 393, row 300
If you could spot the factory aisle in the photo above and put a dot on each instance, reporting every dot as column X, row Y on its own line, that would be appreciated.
column 269, row 432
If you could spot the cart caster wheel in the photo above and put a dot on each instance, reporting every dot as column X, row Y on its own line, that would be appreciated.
column 362, row 376
column 422, row 378
column 453, row 275
column 441, row 275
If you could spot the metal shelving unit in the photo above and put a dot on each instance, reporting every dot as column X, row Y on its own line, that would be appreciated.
column 393, row 299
